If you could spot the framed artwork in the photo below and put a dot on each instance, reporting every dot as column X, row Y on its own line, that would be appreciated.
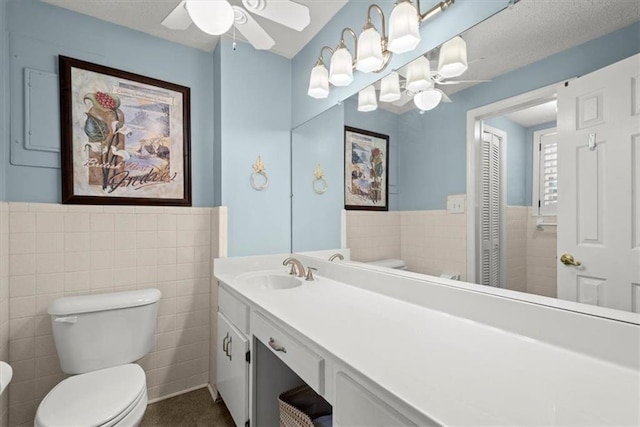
column 125, row 137
column 366, row 158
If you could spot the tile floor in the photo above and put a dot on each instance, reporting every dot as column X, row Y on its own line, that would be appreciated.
column 190, row 409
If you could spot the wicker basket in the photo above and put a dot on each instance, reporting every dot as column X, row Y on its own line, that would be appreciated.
column 300, row 406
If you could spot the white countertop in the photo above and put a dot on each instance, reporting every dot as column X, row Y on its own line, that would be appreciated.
column 453, row 370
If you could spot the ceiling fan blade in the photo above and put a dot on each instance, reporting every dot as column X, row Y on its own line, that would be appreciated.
column 285, row 12
column 251, row 30
column 457, row 82
column 178, row 19
column 445, row 98
column 405, row 97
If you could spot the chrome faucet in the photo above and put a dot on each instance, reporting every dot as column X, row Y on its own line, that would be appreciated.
column 338, row 256
column 296, row 266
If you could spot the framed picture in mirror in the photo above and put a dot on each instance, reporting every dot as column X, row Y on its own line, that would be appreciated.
column 125, row 137
column 366, row 160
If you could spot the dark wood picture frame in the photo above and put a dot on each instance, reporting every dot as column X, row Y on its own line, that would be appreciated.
column 128, row 137
column 366, row 178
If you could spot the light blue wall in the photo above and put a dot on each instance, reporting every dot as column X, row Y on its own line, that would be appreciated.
column 383, row 122
column 4, row 99
column 462, row 15
column 217, row 131
column 316, row 218
column 433, row 153
column 255, row 120
column 50, row 30
column 519, row 155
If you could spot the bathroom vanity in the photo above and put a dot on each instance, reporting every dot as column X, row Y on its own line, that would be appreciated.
column 390, row 350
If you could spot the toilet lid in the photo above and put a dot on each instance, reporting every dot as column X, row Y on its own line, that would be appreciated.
column 389, row 263
column 92, row 399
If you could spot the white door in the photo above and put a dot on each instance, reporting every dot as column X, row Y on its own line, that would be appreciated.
column 233, row 370
column 599, row 187
column 491, row 193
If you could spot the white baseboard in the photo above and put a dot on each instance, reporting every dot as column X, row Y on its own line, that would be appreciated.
column 214, row 394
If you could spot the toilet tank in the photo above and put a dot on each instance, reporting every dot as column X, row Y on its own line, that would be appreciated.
column 101, row 331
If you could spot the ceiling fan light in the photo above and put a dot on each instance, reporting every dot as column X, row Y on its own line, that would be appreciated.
column 404, row 28
column 453, row 58
column 319, row 82
column 419, row 75
column 367, row 99
column 369, row 51
column 212, row 17
column 341, row 67
column 390, row 88
column 428, row 99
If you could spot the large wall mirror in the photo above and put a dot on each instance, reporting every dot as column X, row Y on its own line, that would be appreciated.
column 496, row 173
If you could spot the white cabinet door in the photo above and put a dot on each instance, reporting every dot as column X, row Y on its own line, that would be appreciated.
column 233, row 370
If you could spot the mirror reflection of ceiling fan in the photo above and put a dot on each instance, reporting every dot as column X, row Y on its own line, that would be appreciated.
column 418, row 81
column 216, row 17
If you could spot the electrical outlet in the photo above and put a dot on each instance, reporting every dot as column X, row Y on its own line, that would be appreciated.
column 456, row 203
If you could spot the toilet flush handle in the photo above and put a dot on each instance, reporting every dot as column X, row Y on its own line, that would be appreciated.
column 70, row 319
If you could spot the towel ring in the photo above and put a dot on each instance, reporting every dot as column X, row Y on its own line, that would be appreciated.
column 320, row 185
column 259, row 183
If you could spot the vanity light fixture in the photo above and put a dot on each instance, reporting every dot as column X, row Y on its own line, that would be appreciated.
column 390, row 87
column 319, row 80
column 367, row 99
column 427, row 99
column 373, row 55
column 452, row 61
column 342, row 64
column 419, row 75
column 372, row 50
column 404, row 24
column 212, row 17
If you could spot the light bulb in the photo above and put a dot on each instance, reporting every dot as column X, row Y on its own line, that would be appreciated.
column 452, row 61
column 419, row 75
column 341, row 67
column 404, row 28
column 390, row 88
column 369, row 50
column 428, row 99
column 367, row 99
column 319, row 82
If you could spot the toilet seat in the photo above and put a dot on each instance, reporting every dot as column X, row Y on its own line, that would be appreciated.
column 97, row 399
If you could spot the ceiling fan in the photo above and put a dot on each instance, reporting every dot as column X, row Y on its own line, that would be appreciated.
column 216, row 17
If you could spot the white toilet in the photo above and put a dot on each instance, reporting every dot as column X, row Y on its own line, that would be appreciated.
column 396, row 264
column 97, row 338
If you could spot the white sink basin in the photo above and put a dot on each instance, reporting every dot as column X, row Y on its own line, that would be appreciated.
column 5, row 376
column 273, row 281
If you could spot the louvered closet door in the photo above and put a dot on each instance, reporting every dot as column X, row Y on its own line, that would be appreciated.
column 490, row 209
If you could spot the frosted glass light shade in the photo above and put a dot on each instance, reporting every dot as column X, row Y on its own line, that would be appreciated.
column 212, row 17
column 404, row 28
column 390, row 87
column 341, row 67
column 369, row 51
column 419, row 75
column 453, row 58
column 319, row 82
column 428, row 99
column 367, row 99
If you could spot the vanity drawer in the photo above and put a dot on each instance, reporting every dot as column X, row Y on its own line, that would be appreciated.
column 234, row 309
column 301, row 359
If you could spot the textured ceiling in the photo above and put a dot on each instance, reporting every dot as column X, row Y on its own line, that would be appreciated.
column 146, row 16
column 531, row 30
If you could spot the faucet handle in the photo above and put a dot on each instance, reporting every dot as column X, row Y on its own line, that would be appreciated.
column 310, row 271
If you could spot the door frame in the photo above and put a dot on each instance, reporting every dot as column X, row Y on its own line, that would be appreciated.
column 474, row 119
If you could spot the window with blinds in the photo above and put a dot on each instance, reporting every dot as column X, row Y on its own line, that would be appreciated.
column 547, row 169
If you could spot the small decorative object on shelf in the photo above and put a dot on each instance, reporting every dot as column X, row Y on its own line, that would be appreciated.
column 259, row 170
column 319, row 183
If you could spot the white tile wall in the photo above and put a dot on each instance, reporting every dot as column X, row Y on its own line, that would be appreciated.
column 542, row 262
column 4, row 304
column 516, row 246
column 430, row 242
column 60, row 250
